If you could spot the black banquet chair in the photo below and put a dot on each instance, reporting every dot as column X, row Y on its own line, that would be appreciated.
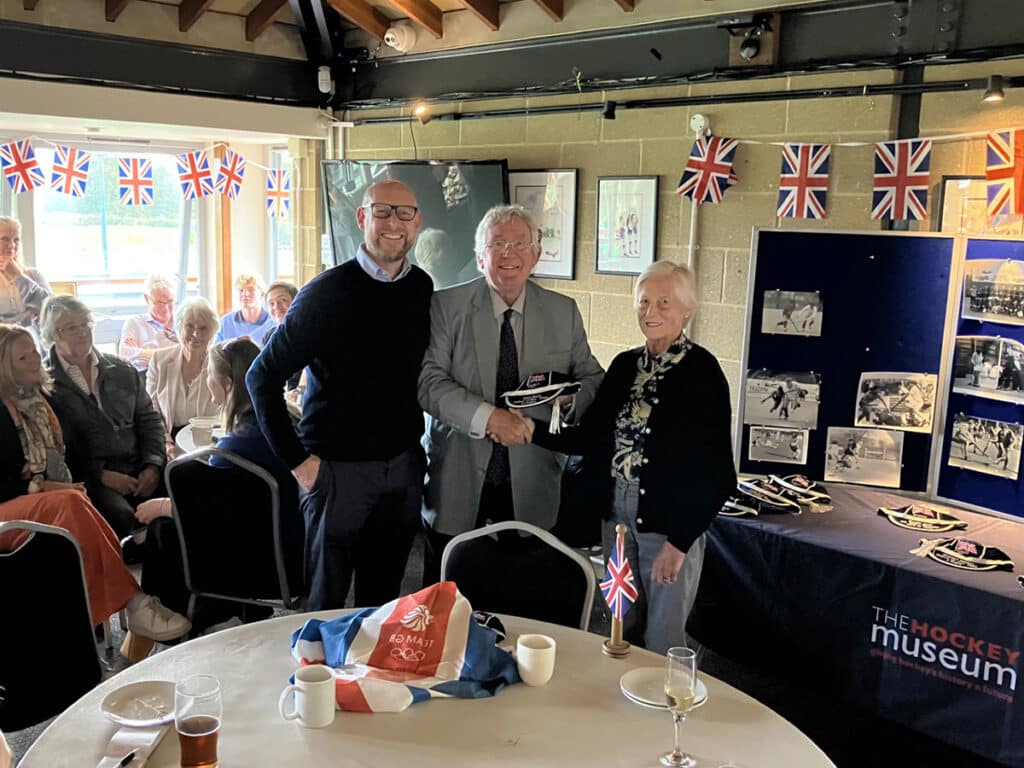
column 48, row 658
column 234, row 546
column 537, row 577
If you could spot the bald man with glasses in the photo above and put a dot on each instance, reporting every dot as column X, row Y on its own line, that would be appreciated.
column 360, row 329
column 487, row 336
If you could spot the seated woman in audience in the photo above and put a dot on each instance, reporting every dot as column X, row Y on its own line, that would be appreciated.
column 280, row 296
column 143, row 335
column 35, row 485
column 176, row 379
column 22, row 290
column 251, row 320
column 162, row 573
column 657, row 455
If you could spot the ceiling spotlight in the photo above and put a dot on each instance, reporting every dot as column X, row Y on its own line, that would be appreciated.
column 608, row 113
column 751, row 45
column 421, row 110
column 994, row 92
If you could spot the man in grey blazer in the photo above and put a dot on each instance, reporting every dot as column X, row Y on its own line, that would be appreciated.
column 481, row 465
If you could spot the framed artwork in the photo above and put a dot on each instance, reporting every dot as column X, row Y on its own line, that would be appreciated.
column 452, row 195
column 550, row 196
column 963, row 209
column 627, row 223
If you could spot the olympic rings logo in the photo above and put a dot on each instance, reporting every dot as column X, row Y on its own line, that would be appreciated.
column 408, row 654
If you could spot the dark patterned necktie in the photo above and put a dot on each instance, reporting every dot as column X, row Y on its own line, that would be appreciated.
column 507, row 379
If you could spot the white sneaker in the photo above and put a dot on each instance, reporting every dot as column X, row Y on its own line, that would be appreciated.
column 154, row 620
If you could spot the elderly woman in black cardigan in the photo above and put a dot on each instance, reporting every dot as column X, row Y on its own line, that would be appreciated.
column 657, row 455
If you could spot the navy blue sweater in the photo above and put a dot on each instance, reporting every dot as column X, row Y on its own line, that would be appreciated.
column 363, row 341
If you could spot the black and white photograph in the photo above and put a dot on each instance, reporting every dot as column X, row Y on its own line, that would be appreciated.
column 778, row 444
column 864, row 456
column 989, row 366
column 891, row 400
column 994, row 291
column 782, row 398
column 797, row 313
column 986, row 445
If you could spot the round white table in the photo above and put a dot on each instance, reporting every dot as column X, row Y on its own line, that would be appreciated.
column 185, row 441
column 580, row 718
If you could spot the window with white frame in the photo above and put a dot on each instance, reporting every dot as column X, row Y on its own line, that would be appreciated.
column 280, row 247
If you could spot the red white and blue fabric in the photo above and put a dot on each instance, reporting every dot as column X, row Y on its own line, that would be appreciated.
column 230, row 174
column 135, row 181
column 619, row 587
column 279, row 193
column 708, row 172
column 70, row 171
column 419, row 647
column 803, row 184
column 20, row 167
column 1004, row 172
column 901, row 179
column 195, row 175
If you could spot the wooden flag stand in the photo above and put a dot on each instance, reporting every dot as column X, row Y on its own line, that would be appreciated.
column 615, row 646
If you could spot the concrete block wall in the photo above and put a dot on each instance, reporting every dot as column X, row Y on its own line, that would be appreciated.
column 657, row 141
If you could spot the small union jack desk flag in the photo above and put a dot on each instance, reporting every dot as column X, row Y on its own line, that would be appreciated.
column 70, row 171
column 279, row 193
column 135, row 181
column 20, row 167
column 803, row 185
column 230, row 174
column 708, row 172
column 1004, row 172
column 619, row 587
column 901, row 179
column 195, row 175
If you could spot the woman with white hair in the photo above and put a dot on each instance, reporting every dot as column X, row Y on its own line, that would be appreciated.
column 657, row 455
column 143, row 335
column 22, row 290
column 176, row 379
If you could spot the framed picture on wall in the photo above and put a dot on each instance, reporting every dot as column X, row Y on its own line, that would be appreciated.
column 627, row 223
column 963, row 209
column 550, row 196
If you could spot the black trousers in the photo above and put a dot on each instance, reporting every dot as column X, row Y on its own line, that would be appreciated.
column 119, row 510
column 361, row 519
column 495, row 506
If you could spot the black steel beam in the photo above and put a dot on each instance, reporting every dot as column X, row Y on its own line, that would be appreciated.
column 848, row 33
column 32, row 51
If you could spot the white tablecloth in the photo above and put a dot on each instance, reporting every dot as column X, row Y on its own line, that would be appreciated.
column 579, row 719
column 185, row 441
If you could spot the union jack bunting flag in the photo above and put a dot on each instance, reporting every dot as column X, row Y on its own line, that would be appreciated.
column 618, row 587
column 901, row 179
column 803, row 185
column 230, row 174
column 195, row 175
column 20, row 167
column 135, row 181
column 279, row 193
column 70, row 171
column 708, row 172
column 1004, row 172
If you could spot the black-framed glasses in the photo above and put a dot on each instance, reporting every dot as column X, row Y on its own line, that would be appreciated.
column 384, row 211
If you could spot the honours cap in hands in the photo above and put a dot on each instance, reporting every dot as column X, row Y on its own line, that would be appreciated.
column 540, row 388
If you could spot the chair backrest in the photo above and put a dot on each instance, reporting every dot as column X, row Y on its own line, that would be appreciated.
column 229, row 525
column 537, row 578
column 50, row 657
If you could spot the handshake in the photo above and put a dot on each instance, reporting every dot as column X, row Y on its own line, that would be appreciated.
column 509, row 427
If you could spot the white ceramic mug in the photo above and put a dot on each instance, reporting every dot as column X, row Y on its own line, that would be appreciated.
column 535, row 657
column 202, row 430
column 314, row 697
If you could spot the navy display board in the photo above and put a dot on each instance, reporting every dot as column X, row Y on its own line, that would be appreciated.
column 884, row 299
column 996, row 267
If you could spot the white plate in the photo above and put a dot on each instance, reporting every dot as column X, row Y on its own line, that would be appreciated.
column 141, row 705
column 646, row 686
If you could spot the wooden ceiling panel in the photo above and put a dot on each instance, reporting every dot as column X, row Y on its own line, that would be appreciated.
column 424, row 13
column 261, row 17
column 113, row 9
column 363, row 15
column 485, row 10
column 189, row 12
column 552, row 8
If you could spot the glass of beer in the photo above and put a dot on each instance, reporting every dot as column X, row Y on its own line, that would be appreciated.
column 197, row 714
column 680, row 693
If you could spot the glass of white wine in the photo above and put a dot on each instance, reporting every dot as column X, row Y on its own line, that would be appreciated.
column 680, row 693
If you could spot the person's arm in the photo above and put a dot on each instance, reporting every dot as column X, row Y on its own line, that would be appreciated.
column 149, row 430
column 291, row 348
column 440, row 394
column 577, row 439
column 32, row 293
column 583, row 368
column 130, row 346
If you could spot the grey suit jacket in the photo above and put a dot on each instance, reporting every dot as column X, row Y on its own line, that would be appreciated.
column 458, row 374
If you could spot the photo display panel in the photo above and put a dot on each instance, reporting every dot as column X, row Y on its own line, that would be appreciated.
column 879, row 308
column 981, row 450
